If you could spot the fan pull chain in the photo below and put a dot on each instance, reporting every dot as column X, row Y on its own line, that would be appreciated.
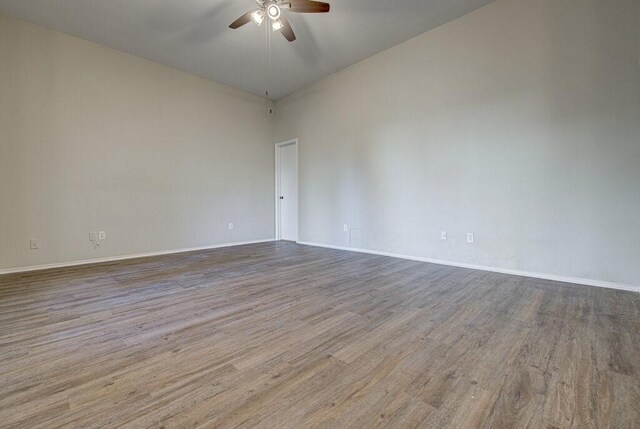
column 268, row 39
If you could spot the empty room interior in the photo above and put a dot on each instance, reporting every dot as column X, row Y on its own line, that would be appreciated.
column 307, row 214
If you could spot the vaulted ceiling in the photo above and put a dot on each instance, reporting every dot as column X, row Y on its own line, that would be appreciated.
column 193, row 35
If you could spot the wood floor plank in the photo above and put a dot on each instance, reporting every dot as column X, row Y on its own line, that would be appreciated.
column 279, row 335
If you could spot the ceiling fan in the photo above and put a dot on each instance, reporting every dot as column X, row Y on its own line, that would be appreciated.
column 273, row 9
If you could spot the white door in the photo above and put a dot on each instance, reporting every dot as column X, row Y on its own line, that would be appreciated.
column 288, row 192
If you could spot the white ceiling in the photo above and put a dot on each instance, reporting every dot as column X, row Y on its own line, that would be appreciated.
column 193, row 35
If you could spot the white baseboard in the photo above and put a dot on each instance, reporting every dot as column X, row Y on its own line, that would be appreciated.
column 121, row 258
column 564, row 279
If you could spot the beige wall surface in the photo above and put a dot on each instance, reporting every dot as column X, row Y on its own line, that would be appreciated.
column 96, row 140
column 519, row 122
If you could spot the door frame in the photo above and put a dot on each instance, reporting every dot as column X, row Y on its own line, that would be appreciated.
column 278, row 146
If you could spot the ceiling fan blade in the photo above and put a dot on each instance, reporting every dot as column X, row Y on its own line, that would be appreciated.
column 308, row 6
column 244, row 19
column 286, row 29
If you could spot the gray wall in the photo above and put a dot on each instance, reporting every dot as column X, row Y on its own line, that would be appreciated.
column 92, row 139
column 519, row 122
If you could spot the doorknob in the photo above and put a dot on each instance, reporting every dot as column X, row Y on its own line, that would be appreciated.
column 282, row 198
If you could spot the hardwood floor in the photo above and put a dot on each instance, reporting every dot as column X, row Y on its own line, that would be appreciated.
column 279, row 335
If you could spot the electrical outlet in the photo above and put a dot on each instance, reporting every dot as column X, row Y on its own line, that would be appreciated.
column 345, row 228
column 102, row 235
column 469, row 237
column 230, row 226
column 443, row 235
column 34, row 245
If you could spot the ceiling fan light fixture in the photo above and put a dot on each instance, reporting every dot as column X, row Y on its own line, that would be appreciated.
column 273, row 10
column 277, row 25
column 258, row 17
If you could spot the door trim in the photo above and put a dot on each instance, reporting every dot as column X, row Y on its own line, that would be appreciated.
column 278, row 146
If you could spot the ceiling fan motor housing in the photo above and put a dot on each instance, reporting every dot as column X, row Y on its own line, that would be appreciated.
column 273, row 10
